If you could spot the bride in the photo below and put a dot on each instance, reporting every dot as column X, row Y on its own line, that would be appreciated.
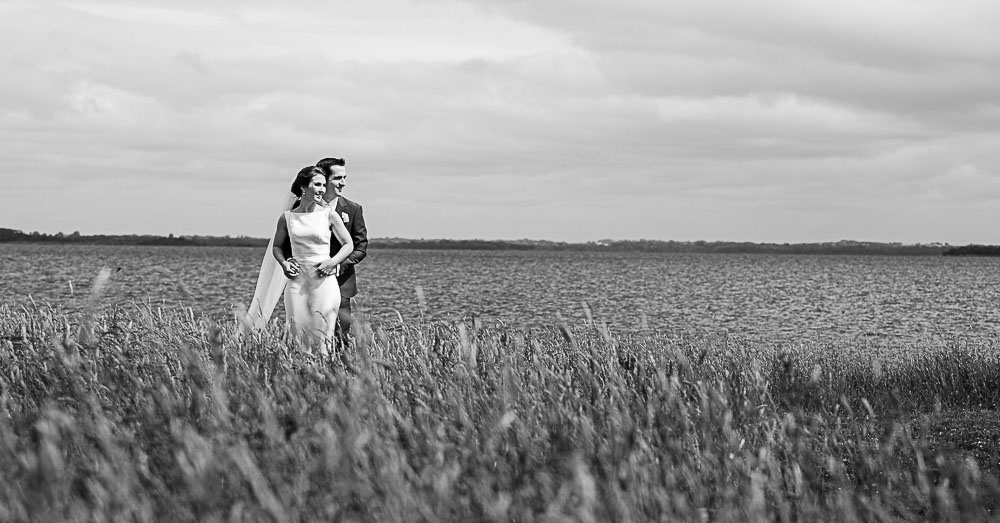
column 312, row 294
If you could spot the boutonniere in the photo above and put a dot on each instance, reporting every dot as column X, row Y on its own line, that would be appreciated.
column 345, row 217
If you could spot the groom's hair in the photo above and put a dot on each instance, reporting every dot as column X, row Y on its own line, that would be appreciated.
column 305, row 176
column 327, row 164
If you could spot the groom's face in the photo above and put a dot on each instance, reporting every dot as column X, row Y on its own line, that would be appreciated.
column 337, row 182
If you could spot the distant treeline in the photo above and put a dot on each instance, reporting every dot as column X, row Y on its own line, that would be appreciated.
column 974, row 250
column 840, row 247
column 12, row 235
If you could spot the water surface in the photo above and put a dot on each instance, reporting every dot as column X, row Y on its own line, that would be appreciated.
column 749, row 295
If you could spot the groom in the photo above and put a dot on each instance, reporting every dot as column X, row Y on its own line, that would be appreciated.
column 354, row 219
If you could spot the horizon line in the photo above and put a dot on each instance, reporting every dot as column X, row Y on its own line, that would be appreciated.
column 510, row 240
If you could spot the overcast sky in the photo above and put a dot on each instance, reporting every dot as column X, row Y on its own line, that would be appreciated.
column 575, row 120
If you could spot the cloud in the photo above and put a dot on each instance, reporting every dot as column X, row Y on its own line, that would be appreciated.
column 966, row 183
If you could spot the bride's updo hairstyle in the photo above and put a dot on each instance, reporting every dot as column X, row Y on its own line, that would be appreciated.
column 304, row 177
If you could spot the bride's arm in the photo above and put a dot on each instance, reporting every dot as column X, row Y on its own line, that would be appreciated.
column 288, row 265
column 344, row 237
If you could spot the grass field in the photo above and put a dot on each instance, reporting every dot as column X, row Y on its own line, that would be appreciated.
column 142, row 414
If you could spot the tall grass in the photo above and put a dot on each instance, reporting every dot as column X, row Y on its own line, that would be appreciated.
column 142, row 414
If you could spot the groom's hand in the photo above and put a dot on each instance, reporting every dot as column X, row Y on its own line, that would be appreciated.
column 328, row 269
column 290, row 267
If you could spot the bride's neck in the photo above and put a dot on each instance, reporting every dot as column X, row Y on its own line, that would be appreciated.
column 307, row 206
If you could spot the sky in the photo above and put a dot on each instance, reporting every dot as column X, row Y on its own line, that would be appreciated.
column 567, row 120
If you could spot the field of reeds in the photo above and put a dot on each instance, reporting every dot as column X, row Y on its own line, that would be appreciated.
column 144, row 414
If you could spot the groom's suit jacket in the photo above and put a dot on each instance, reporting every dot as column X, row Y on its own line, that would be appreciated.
column 354, row 219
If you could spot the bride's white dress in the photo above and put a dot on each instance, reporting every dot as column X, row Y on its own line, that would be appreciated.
column 311, row 300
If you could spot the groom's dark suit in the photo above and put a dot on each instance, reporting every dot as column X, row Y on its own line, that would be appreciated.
column 354, row 220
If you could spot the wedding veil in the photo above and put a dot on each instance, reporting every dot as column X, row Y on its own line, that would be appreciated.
column 270, row 282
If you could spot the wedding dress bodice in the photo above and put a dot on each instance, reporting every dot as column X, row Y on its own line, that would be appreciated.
column 309, row 233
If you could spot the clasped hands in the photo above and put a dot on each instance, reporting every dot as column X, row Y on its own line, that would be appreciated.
column 291, row 268
column 328, row 268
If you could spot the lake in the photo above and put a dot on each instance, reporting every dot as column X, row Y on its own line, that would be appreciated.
column 762, row 296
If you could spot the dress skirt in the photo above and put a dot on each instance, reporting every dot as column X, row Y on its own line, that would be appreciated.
column 311, row 302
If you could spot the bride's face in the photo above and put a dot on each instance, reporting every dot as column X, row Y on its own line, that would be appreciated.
column 315, row 189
